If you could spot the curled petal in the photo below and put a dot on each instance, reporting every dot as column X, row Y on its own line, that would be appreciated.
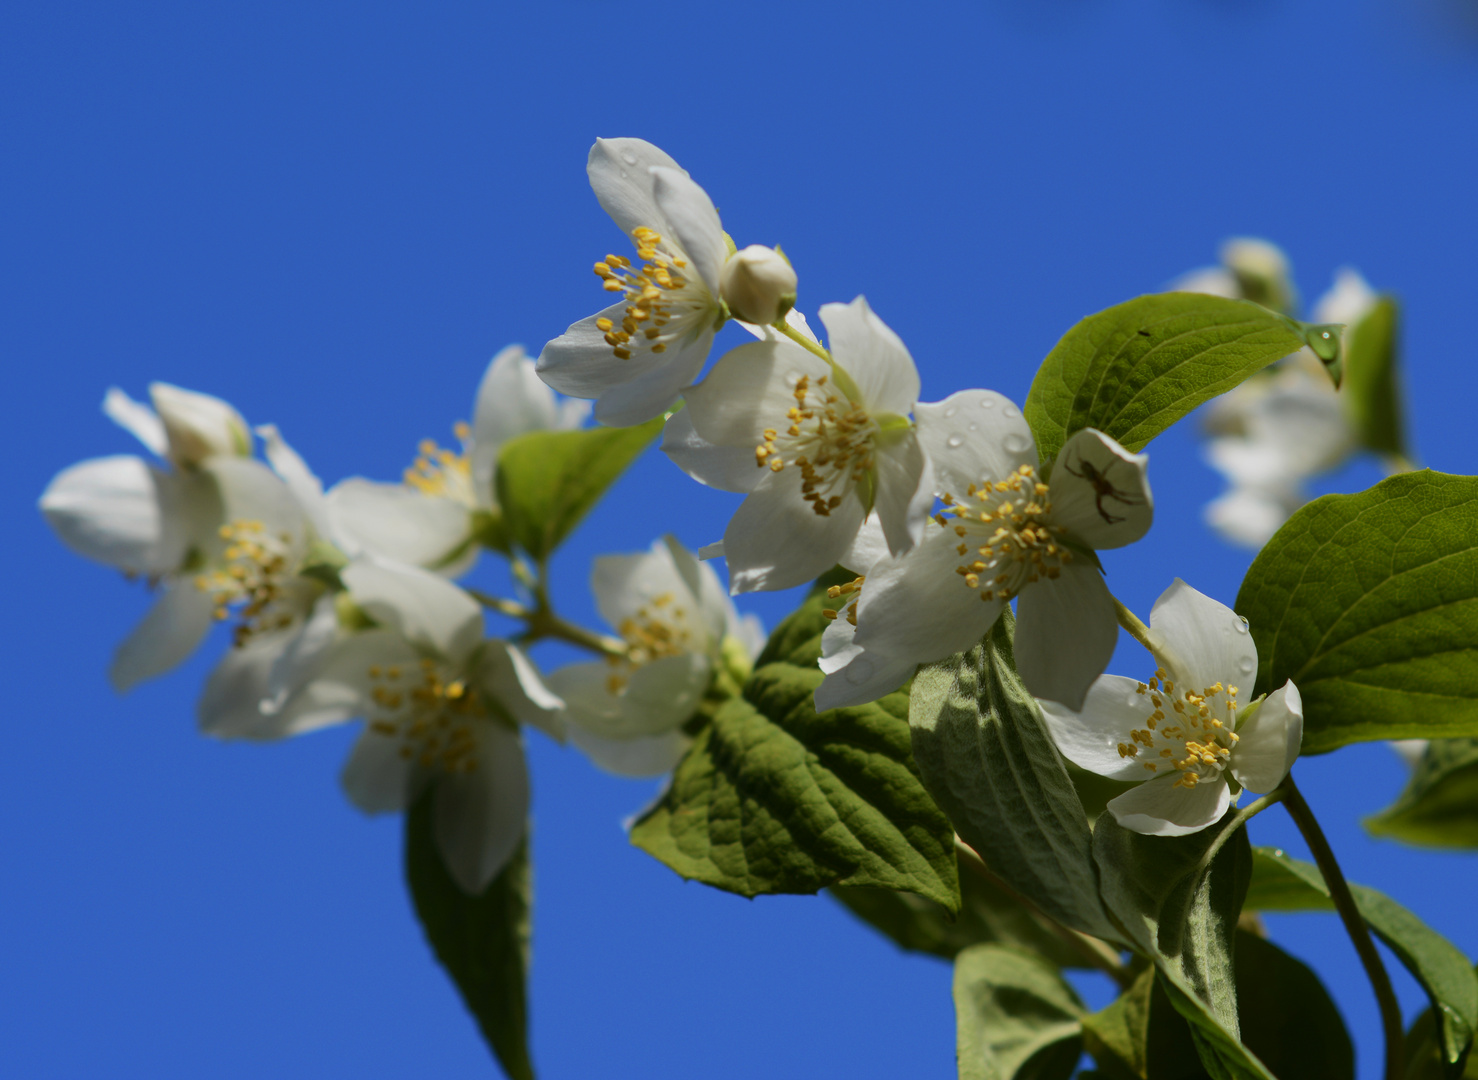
column 120, row 511
column 137, row 419
column 873, row 355
column 1199, row 640
column 620, row 175
column 1268, row 740
column 694, row 222
column 1100, row 491
column 1159, row 808
column 172, row 630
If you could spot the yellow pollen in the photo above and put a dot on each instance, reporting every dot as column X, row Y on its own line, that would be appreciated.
column 1199, row 745
column 663, row 304
column 829, row 440
column 434, row 719
column 256, row 580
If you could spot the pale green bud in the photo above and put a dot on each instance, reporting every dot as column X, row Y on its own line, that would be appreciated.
column 758, row 285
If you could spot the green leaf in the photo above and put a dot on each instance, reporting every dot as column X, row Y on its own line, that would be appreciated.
column 1015, row 1017
column 1424, row 1056
column 1118, row 1036
column 774, row 798
column 1372, row 380
column 1439, row 807
column 988, row 914
column 482, row 941
column 1369, row 603
column 985, row 755
column 1136, row 368
column 1287, row 1017
column 1283, row 883
column 548, row 480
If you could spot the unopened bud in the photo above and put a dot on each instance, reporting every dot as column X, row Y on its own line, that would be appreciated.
column 758, row 285
column 199, row 426
column 1261, row 270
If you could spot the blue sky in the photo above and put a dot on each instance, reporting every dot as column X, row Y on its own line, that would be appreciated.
column 333, row 215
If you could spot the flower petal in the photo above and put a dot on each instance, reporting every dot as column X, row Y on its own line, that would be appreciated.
column 650, row 755
column 727, row 468
column 199, row 426
column 715, row 611
column 289, row 465
column 396, row 522
column 376, row 778
column 250, row 491
column 624, row 584
column 868, row 549
column 972, row 436
column 1100, row 491
column 480, row 816
column 1250, row 516
column 693, row 220
column 869, row 351
column 647, row 396
column 1200, row 641
column 137, row 419
column 423, row 608
column 229, row 706
column 1347, row 301
column 619, row 171
column 1066, row 631
column 749, row 390
column 776, row 540
column 864, row 677
column 514, row 682
column 658, row 697
column 303, row 655
column 1159, row 808
column 1268, row 741
column 905, row 490
column 1091, row 737
column 172, row 630
column 1210, row 280
column 121, row 511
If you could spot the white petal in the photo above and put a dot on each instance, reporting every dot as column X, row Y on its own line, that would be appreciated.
column 172, row 630
column 651, row 755
column 1066, row 631
column 619, row 171
column 749, row 631
column 250, row 491
column 648, row 396
column 137, row 419
column 120, row 511
column 199, row 426
column 1268, row 741
column 581, row 363
column 659, row 697
column 865, row 677
column 837, row 648
column 1091, row 737
column 869, row 547
column 1348, row 300
column 1212, row 280
column 1200, row 641
column 776, row 540
column 916, row 608
column 972, row 436
column 714, row 550
column 715, row 611
column 728, row 468
column 342, row 683
column 1100, row 491
column 480, row 816
column 376, row 778
column 396, row 522
column 303, row 655
column 423, row 608
column 294, row 472
column 869, row 351
column 1250, row 516
column 750, row 389
column 1159, row 808
column 511, row 400
column 514, row 682
column 230, row 705
column 694, row 222
column 905, row 490
column 623, row 584
column 793, row 318
column 1410, row 751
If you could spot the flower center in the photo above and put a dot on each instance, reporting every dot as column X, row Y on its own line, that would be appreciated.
column 1006, row 524
column 655, row 630
column 442, row 473
column 853, row 589
column 829, row 439
column 1197, row 739
column 432, row 715
column 254, row 580
column 662, row 300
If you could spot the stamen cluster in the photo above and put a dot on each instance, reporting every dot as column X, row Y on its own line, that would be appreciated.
column 651, row 290
column 656, row 630
column 1020, row 546
column 432, row 717
column 829, row 439
column 853, row 589
column 1196, row 742
column 441, row 472
column 254, row 580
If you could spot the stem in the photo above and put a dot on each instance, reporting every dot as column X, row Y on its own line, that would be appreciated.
column 546, row 624
column 1098, row 953
column 1241, row 818
column 1130, row 621
column 512, row 608
column 800, row 339
column 1349, row 913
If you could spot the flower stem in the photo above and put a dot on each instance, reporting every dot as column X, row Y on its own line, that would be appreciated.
column 1096, row 952
column 512, row 608
column 542, row 622
column 1349, row 913
column 800, row 339
column 1130, row 621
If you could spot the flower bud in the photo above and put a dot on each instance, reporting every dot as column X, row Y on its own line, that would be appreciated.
column 199, row 426
column 1261, row 270
column 758, row 285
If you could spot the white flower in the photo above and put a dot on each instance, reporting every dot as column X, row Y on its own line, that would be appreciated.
column 680, row 628
column 1250, row 269
column 817, row 445
column 430, row 519
column 442, row 708
column 636, row 356
column 180, row 529
column 1277, row 430
column 1183, row 732
column 1004, row 532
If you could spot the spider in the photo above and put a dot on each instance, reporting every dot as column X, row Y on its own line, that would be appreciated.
column 1103, row 487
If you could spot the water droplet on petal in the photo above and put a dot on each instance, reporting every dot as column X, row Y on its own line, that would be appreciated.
column 974, row 427
column 1010, row 412
column 859, row 670
column 625, row 175
column 987, row 402
column 629, row 158
column 1241, row 625
column 1246, row 665
column 950, row 412
column 1015, row 443
column 955, row 441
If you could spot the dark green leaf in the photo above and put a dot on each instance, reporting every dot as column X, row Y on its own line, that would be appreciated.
column 987, row 914
column 1439, row 807
column 1424, row 1056
column 1287, row 1017
column 1136, row 368
column 774, row 798
column 1369, row 603
column 1283, row 883
column 1118, row 1036
column 986, row 757
column 1372, row 381
column 1015, row 1017
column 548, row 480
column 482, row 941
